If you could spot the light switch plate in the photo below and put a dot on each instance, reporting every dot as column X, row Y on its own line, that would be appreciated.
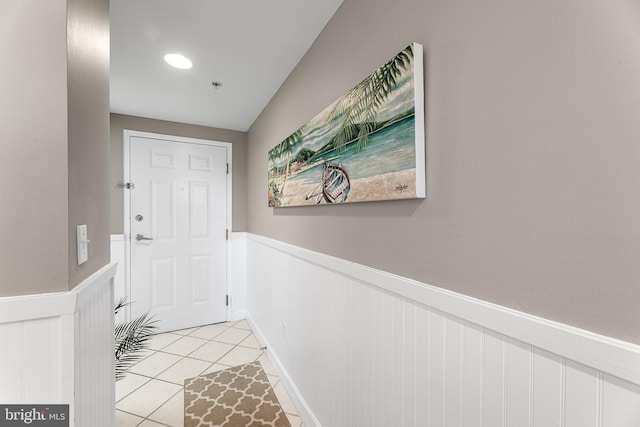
column 83, row 244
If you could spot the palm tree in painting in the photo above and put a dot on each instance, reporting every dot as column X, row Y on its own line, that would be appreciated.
column 272, row 160
column 284, row 151
column 356, row 111
column 273, row 155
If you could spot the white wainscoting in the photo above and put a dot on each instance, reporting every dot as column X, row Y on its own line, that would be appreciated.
column 58, row 348
column 118, row 256
column 361, row 347
column 94, row 353
column 237, row 283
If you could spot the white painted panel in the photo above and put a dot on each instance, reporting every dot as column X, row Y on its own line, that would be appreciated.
column 472, row 375
column 11, row 363
column 162, row 160
column 410, row 364
column 118, row 256
column 346, row 343
column 200, row 278
column 30, row 362
column 620, row 403
column 397, row 397
column 163, row 282
column 548, row 384
column 199, row 210
column 237, row 276
column 518, row 383
column 493, row 384
column 453, row 372
column 36, row 340
column 57, row 359
column 351, row 364
column 94, row 362
column 386, row 352
column 582, row 396
column 423, row 351
column 437, row 367
column 162, row 211
column 378, row 345
column 397, row 361
column 364, row 375
column 199, row 162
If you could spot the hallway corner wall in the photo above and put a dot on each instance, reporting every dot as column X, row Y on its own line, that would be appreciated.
column 88, row 132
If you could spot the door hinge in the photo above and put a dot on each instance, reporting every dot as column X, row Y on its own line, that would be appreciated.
column 128, row 186
column 227, row 234
column 227, row 168
column 227, row 300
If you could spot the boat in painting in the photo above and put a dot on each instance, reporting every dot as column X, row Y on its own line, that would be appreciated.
column 335, row 183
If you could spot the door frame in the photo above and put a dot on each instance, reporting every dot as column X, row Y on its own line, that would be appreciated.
column 127, row 135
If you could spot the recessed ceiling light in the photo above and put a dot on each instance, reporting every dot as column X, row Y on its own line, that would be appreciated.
column 178, row 61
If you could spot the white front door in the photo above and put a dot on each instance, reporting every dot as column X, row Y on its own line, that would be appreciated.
column 178, row 227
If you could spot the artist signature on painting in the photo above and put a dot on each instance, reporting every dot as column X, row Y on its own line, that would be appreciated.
column 401, row 187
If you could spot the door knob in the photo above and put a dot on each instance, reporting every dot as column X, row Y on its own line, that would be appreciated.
column 141, row 237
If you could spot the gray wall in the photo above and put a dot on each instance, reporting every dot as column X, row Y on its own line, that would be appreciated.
column 120, row 122
column 54, row 131
column 33, row 135
column 533, row 141
column 88, row 127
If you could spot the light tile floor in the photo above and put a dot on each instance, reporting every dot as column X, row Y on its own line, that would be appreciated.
column 152, row 393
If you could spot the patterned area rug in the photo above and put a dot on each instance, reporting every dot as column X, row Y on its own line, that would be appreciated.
column 235, row 397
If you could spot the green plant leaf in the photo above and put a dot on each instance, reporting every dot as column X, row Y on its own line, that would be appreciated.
column 131, row 338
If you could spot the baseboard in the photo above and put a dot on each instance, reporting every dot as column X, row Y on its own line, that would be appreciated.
column 304, row 411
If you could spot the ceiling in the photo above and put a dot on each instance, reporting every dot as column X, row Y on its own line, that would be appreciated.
column 250, row 46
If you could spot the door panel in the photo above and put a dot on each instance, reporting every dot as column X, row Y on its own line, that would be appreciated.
column 162, row 211
column 201, row 276
column 163, row 283
column 199, row 212
column 179, row 270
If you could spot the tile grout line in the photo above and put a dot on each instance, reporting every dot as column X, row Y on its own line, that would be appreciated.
column 235, row 346
column 158, row 408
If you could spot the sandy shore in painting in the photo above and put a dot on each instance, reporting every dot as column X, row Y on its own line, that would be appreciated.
column 388, row 186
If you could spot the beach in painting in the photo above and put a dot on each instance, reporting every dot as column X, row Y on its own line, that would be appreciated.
column 371, row 152
column 385, row 170
column 388, row 186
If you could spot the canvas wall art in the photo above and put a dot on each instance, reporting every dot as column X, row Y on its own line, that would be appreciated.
column 366, row 146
